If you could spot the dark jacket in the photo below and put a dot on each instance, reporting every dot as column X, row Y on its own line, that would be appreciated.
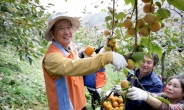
column 151, row 83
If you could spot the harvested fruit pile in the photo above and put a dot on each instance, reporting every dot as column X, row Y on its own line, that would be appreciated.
column 113, row 103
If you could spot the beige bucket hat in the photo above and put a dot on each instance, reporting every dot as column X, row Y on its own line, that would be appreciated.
column 57, row 16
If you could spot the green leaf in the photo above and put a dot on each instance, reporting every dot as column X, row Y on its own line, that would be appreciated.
column 51, row 4
column 107, row 18
column 144, row 41
column 164, row 13
column 12, row 1
column 163, row 100
column 4, row 9
column 127, row 2
column 158, row 4
column 138, row 56
column 177, row 3
column 120, row 25
column 132, row 3
column 120, row 15
column 127, row 36
column 174, row 39
column 150, row 48
column 125, row 71
column 157, row 50
column 37, row 1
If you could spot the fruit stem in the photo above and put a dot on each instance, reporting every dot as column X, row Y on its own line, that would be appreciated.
column 132, row 12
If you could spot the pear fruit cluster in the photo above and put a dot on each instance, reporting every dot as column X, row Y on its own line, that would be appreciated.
column 146, row 24
column 111, row 44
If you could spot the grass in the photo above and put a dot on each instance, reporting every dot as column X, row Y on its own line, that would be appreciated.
column 23, row 87
column 22, row 84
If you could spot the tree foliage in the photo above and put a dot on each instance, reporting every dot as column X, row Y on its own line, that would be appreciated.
column 22, row 25
column 168, row 40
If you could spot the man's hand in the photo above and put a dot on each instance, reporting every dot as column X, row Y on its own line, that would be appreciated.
column 135, row 93
column 119, row 61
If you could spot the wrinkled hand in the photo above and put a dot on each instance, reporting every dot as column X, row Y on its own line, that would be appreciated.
column 135, row 93
column 119, row 61
column 99, row 90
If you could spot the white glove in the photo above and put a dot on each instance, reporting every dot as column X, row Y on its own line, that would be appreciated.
column 99, row 90
column 135, row 93
column 102, row 50
column 108, row 92
column 119, row 61
column 118, row 89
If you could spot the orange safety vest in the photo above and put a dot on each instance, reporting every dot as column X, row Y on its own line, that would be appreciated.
column 95, row 80
column 75, row 84
column 100, row 79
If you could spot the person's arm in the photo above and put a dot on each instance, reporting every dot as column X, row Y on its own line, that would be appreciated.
column 157, row 104
column 56, row 64
column 153, row 102
column 139, row 94
column 135, row 93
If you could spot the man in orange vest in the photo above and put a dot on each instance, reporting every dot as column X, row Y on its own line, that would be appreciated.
column 63, row 70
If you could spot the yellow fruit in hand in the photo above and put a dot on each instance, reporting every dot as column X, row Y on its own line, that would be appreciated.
column 131, row 64
column 148, row 8
column 89, row 50
column 124, row 84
